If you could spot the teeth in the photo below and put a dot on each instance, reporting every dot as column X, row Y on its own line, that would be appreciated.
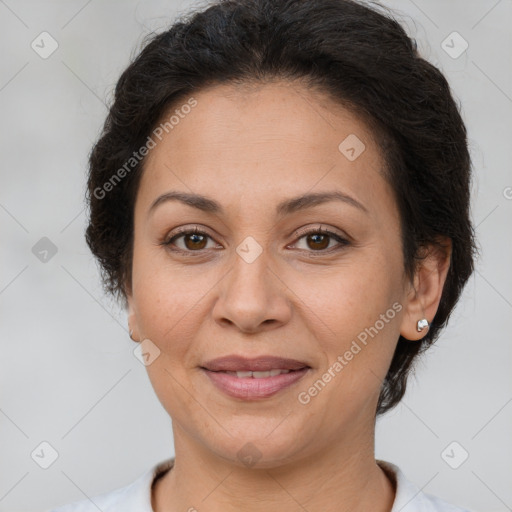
column 258, row 375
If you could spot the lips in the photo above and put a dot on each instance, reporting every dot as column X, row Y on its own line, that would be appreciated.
column 234, row 363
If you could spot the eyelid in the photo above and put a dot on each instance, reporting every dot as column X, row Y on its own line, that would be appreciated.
column 319, row 229
column 187, row 229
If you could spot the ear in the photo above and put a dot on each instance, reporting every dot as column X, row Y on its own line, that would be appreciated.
column 425, row 292
column 132, row 318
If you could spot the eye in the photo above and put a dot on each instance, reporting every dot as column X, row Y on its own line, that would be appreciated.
column 319, row 239
column 193, row 240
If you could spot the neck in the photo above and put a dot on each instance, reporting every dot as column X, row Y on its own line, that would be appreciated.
column 343, row 477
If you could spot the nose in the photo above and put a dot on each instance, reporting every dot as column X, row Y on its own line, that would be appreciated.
column 252, row 297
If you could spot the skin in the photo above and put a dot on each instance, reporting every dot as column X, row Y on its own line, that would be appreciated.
column 249, row 148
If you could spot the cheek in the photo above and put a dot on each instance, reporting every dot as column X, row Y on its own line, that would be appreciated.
column 166, row 299
column 356, row 314
column 352, row 296
column 166, row 304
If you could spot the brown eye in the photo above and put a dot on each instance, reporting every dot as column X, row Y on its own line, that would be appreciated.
column 318, row 240
column 194, row 241
column 191, row 240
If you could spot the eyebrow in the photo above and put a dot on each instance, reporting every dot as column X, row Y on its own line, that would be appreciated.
column 286, row 207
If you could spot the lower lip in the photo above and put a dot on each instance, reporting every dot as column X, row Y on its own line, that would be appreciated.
column 250, row 388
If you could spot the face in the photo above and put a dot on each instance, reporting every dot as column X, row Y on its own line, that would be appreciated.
column 319, row 281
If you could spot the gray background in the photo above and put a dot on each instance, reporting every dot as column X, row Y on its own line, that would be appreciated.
column 68, row 374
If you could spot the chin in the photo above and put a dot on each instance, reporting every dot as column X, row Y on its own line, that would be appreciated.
column 258, row 442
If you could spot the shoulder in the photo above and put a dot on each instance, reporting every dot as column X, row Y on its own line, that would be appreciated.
column 409, row 498
column 135, row 497
column 118, row 499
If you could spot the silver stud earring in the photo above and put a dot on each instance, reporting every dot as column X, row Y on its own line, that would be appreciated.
column 422, row 324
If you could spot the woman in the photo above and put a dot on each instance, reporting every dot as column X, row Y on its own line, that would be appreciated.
column 280, row 197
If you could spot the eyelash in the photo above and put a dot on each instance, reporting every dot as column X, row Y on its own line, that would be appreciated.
column 195, row 231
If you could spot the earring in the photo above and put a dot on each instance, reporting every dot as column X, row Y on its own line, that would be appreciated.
column 422, row 324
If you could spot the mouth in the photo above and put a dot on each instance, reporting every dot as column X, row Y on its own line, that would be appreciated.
column 252, row 379
column 235, row 363
column 258, row 375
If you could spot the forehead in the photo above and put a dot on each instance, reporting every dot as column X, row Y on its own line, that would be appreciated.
column 265, row 142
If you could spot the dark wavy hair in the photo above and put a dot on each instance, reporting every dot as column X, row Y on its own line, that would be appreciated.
column 356, row 53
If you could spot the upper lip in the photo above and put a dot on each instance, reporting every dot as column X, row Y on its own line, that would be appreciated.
column 234, row 363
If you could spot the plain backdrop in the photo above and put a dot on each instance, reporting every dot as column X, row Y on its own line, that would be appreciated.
column 68, row 374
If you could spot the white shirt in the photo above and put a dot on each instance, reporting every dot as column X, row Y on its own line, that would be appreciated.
column 136, row 497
